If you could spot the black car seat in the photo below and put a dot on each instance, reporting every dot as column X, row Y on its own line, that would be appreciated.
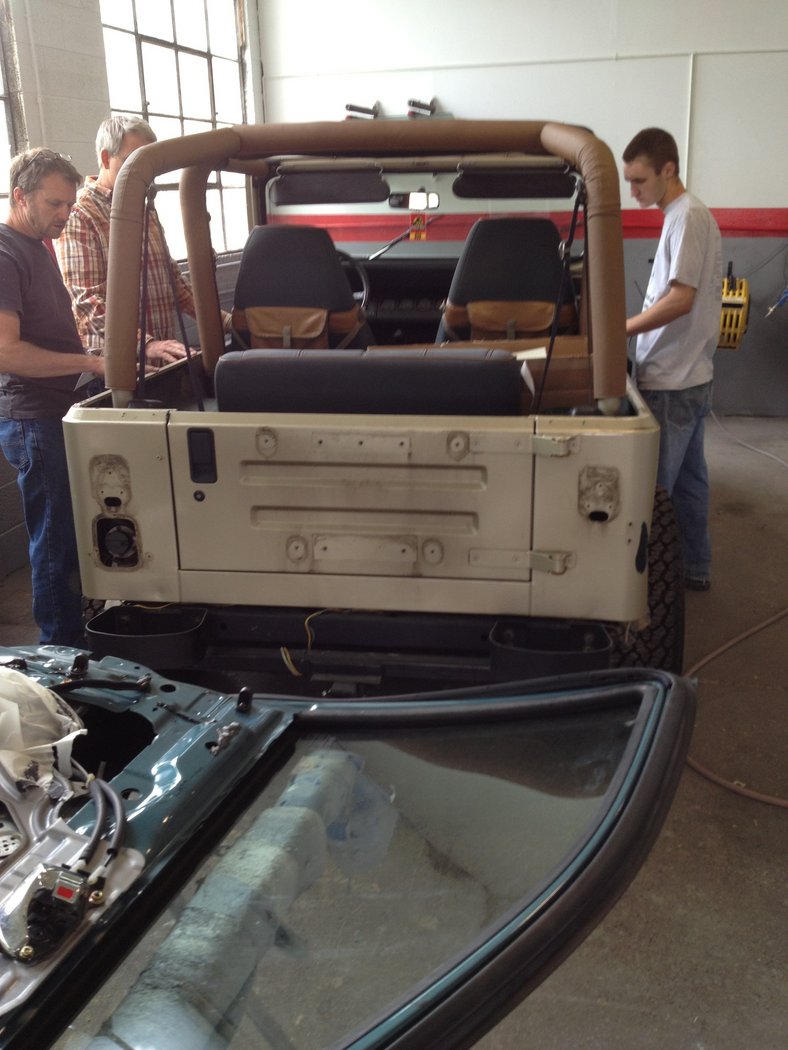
column 507, row 282
column 292, row 292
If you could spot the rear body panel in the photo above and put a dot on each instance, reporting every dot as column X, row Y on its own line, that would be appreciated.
column 533, row 516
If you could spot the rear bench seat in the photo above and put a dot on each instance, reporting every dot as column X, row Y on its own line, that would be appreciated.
column 467, row 381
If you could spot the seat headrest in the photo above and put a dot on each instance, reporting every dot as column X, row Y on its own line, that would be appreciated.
column 509, row 258
column 291, row 266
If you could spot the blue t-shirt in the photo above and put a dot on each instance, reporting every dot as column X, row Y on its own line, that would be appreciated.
column 32, row 287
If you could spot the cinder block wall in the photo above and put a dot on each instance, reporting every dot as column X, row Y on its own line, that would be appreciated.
column 60, row 53
column 63, row 80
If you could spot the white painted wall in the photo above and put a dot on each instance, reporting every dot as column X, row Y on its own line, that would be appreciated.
column 715, row 75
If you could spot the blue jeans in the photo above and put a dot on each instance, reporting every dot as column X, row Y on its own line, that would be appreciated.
column 36, row 450
column 682, row 467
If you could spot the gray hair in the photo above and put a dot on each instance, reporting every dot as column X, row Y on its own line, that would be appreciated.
column 113, row 130
column 29, row 168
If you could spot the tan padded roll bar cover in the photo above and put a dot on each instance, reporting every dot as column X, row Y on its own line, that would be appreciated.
column 125, row 241
column 604, row 252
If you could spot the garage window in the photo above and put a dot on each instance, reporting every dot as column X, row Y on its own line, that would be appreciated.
column 180, row 65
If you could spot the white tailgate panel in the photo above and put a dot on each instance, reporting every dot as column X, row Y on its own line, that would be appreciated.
column 432, row 510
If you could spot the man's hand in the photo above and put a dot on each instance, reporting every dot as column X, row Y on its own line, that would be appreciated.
column 164, row 351
column 95, row 364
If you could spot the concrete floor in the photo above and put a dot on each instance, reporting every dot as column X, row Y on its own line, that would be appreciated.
column 695, row 954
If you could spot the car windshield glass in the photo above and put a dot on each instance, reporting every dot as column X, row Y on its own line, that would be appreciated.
column 372, row 863
column 366, row 222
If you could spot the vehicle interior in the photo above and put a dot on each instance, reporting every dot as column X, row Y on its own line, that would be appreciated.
column 461, row 251
column 441, row 249
column 487, row 259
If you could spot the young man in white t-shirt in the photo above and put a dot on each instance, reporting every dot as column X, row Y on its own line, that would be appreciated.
column 677, row 333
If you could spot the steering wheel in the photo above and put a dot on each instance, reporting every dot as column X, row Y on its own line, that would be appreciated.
column 362, row 277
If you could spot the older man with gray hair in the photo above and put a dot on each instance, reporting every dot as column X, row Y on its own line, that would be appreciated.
column 83, row 252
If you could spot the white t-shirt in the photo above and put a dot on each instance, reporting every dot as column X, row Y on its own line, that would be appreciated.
column 679, row 355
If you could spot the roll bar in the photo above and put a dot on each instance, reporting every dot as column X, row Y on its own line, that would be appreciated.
column 248, row 148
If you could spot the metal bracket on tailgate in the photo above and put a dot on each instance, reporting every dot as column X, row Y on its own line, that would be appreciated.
column 554, row 562
column 554, row 444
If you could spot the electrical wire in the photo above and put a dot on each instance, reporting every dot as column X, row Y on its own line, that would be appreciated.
column 697, row 767
column 99, row 800
column 287, row 660
column 101, row 793
column 284, row 652
column 752, row 448
column 119, row 813
column 310, row 634
column 766, row 261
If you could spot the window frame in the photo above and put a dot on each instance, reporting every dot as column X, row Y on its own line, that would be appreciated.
column 219, row 184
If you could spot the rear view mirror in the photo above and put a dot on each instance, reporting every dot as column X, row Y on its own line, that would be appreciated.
column 416, row 200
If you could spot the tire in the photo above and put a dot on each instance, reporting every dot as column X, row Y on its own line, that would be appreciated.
column 661, row 643
column 91, row 607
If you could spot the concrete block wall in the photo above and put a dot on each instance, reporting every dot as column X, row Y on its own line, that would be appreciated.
column 62, row 72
